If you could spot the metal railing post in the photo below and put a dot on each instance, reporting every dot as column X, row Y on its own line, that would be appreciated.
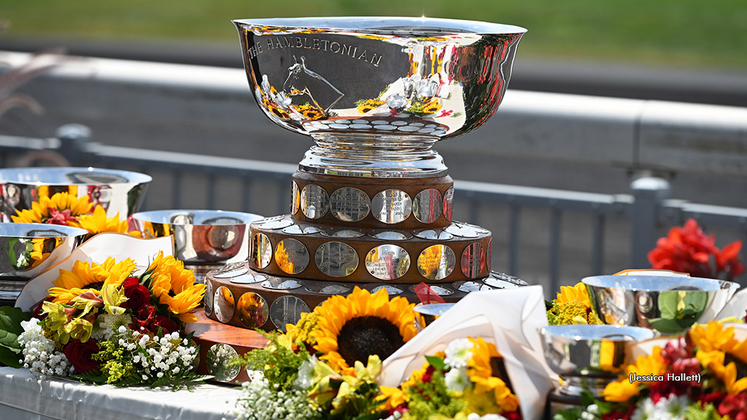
column 74, row 140
column 648, row 192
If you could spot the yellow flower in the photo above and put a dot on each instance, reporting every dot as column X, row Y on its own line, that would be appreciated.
column 39, row 211
column 281, row 258
column 575, row 293
column 392, row 398
column 480, row 372
column 98, row 222
column 301, row 331
column 175, row 286
column 352, row 328
column 369, row 105
column 714, row 336
column 93, row 277
column 622, row 390
column 574, row 313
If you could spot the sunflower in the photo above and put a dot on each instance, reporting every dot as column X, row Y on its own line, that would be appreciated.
column 352, row 328
column 623, row 389
column 85, row 276
column 47, row 208
column 98, row 222
column 724, row 355
column 481, row 371
column 175, row 286
column 369, row 105
column 310, row 111
column 577, row 293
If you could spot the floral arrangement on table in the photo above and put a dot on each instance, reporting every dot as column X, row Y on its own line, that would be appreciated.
column 689, row 250
column 64, row 208
column 327, row 365
column 103, row 324
column 571, row 306
column 701, row 376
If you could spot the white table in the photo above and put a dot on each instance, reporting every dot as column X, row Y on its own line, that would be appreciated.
column 23, row 396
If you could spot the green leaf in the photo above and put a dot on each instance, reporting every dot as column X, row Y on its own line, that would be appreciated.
column 436, row 362
column 10, row 329
column 10, row 319
column 9, row 357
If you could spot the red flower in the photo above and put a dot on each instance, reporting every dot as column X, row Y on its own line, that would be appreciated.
column 688, row 250
column 714, row 398
column 63, row 218
column 734, row 406
column 80, row 355
column 428, row 375
column 166, row 324
column 619, row 415
column 143, row 318
column 514, row 415
column 138, row 296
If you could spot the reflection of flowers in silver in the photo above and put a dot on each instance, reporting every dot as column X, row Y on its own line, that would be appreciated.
column 219, row 359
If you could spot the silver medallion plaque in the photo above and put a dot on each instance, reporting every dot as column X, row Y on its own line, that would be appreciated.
column 349, row 204
column 253, row 310
column 280, row 283
column 448, row 206
column 246, row 278
column 295, row 198
column 473, row 260
column 260, row 253
column 387, row 262
column 293, row 229
column 472, row 286
column 314, row 201
column 465, row 230
column 291, row 256
column 439, row 290
column 324, row 288
column 235, row 270
column 427, row 205
column 436, row 262
column 433, row 234
column 224, row 304
column 391, row 206
column 391, row 290
column 276, row 223
column 218, row 362
column 287, row 310
column 390, row 235
column 342, row 233
column 336, row 259
column 208, row 299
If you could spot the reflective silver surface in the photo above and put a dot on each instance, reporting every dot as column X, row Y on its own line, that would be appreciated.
column 116, row 191
column 218, row 362
column 436, row 262
column 248, row 278
column 390, row 235
column 391, row 206
column 387, row 262
column 391, row 290
column 448, row 205
column 466, row 230
column 280, row 283
column 291, row 256
column 274, row 223
column 439, row 290
column 27, row 249
column 667, row 304
column 295, row 197
column 325, row 288
column 473, row 260
column 589, row 355
column 287, row 310
column 260, row 250
column 349, row 204
column 473, row 286
column 342, row 233
column 433, row 234
column 207, row 300
column 230, row 270
column 200, row 236
column 253, row 310
column 314, row 201
column 498, row 280
column 224, row 304
column 376, row 93
column 336, row 259
column 431, row 312
column 426, row 207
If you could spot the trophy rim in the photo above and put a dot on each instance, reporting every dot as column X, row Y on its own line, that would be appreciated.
column 387, row 25
column 163, row 217
column 53, row 176
column 21, row 230
column 648, row 283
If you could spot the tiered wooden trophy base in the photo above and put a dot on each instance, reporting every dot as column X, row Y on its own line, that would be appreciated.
column 352, row 231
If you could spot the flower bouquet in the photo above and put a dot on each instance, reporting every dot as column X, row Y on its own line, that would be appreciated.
column 688, row 250
column 103, row 324
column 328, row 366
column 702, row 375
column 571, row 306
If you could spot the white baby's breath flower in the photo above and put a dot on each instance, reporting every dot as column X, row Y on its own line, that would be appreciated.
column 457, row 379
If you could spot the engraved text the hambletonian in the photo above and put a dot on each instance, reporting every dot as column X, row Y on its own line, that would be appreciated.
column 302, row 42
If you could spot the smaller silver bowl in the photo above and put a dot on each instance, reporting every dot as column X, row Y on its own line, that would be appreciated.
column 667, row 304
column 27, row 249
column 116, row 191
column 431, row 312
column 589, row 356
column 200, row 236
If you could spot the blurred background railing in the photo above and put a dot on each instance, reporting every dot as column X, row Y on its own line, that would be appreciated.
column 592, row 178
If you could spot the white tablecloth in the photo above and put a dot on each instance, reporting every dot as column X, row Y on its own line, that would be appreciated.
column 23, row 396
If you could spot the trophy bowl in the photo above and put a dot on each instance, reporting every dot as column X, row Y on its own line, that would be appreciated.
column 200, row 236
column 430, row 313
column 116, row 191
column 375, row 93
column 589, row 356
column 29, row 249
column 667, row 304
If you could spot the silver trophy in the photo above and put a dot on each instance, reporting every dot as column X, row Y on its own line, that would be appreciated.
column 376, row 93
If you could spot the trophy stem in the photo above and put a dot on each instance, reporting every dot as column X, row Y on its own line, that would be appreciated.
column 374, row 156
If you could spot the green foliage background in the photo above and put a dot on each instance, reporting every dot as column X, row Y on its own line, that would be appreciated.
column 690, row 33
